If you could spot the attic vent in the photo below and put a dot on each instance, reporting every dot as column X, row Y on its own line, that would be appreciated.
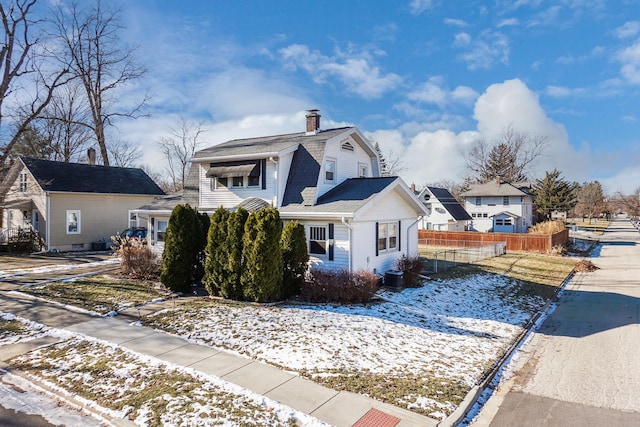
column 347, row 146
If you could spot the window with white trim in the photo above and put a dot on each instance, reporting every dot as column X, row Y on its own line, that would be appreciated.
column 387, row 236
column 505, row 200
column 22, row 184
column 134, row 221
column 161, row 230
column 317, row 240
column 330, row 171
column 478, row 200
column 362, row 170
column 73, row 222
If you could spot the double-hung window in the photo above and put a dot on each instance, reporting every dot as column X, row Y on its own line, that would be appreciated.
column 73, row 222
column 387, row 236
column 317, row 240
column 478, row 201
column 505, row 200
column 330, row 171
column 22, row 183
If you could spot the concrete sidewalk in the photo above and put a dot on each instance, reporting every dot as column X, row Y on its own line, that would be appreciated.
column 336, row 408
column 582, row 366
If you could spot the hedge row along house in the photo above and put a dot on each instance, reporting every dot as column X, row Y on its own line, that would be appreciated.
column 71, row 206
column 328, row 180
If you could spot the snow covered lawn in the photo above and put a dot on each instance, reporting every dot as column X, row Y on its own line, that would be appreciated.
column 421, row 348
column 123, row 384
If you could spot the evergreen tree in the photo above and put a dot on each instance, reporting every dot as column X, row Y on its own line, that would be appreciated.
column 261, row 277
column 384, row 169
column 179, row 249
column 552, row 193
column 295, row 257
column 231, row 287
column 215, row 263
column 203, row 230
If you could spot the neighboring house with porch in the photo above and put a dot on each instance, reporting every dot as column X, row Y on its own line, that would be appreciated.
column 328, row 180
column 72, row 205
column 443, row 211
column 500, row 207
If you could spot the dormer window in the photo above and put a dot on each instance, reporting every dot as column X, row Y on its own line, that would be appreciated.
column 330, row 171
column 347, row 146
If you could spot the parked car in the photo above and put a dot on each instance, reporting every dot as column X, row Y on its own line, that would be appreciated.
column 135, row 233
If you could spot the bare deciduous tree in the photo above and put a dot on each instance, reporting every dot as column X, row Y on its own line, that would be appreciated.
column 591, row 200
column 509, row 157
column 178, row 148
column 101, row 61
column 27, row 84
column 627, row 203
column 123, row 153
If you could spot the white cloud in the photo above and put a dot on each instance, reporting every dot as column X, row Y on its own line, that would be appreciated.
column 419, row 6
column 356, row 71
column 510, row 22
column 488, row 48
column 455, row 22
column 562, row 91
column 630, row 59
column 434, row 92
column 629, row 29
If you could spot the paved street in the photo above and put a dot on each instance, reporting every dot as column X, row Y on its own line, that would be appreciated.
column 582, row 366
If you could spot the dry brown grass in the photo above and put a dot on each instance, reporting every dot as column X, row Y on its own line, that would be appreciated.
column 547, row 227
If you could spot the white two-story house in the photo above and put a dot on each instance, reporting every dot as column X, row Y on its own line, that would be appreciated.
column 500, row 207
column 328, row 180
column 444, row 213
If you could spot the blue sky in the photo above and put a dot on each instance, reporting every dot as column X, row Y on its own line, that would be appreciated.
column 423, row 78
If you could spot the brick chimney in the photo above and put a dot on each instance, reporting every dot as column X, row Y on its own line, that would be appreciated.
column 498, row 180
column 413, row 187
column 91, row 156
column 313, row 122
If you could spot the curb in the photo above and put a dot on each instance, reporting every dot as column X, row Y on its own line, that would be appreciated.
column 70, row 401
column 474, row 394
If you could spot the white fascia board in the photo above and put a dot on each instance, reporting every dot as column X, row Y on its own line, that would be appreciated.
column 315, row 215
column 265, row 155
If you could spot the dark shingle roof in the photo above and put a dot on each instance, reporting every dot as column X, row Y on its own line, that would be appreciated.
column 188, row 195
column 265, row 144
column 303, row 174
column 347, row 197
column 450, row 203
column 83, row 178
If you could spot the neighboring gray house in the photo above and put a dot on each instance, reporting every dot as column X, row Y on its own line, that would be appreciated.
column 500, row 207
column 444, row 211
column 329, row 180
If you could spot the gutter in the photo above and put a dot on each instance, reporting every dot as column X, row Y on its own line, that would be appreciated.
column 275, row 162
column 314, row 215
column 350, row 228
column 409, row 228
column 48, row 220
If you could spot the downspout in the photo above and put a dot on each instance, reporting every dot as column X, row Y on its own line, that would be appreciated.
column 48, row 221
column 350, row 228
column 409, row 228
column 278, row 201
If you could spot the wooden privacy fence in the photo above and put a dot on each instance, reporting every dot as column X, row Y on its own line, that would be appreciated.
column 515, row 242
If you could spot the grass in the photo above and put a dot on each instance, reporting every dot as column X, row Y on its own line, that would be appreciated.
column 149, row 394
column 101, row 294
column 11, row 328
column 595, row 225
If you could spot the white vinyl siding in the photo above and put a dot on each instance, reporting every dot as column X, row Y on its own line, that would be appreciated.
column 228, row 197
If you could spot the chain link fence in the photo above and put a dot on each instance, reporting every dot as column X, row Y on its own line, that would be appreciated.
column 439, row 258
